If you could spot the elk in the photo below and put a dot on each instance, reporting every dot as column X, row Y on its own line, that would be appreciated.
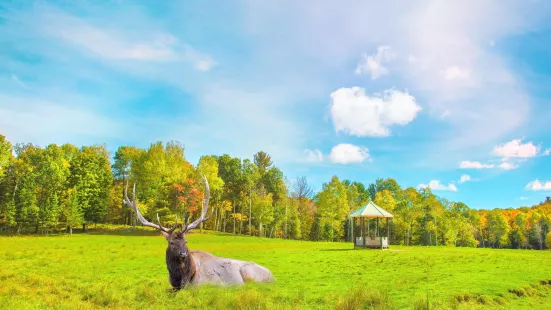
column 187, row 267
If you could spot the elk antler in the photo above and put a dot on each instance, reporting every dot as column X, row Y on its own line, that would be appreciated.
column 204, row 211
column 132, row 204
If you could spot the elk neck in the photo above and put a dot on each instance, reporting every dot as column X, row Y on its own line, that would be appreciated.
column 181, row 270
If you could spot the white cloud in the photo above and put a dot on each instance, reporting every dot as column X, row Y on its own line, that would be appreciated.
column 474, row 165
column 118, row 44
column 457, row 73
column 507, row 166
column 437, row 186
column 464, row 178
column 523, row 198
column 539, row 186
column 374, row 63
column 313, row 156
column 546, row 152
column 516, row 148
column 356, row 113
column 347, row 154
column 492, row 103
column 507, row 151
column 478, row 165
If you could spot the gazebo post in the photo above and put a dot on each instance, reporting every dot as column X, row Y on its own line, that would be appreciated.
column 353, row 237
column 388, row 232
column 363, row 230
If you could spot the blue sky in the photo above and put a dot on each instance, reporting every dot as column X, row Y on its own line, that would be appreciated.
column 454, row 96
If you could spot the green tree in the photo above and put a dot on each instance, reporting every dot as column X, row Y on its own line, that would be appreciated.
column 250, row 177
column 302, row 193
column 263, row 211
column 72, row 211
column 231, row 173
column 92, row 178
column 5, row 154
column 208, row 167
column 263, row 162
column 275, row 184
column 460, row 229
column 548, row 240
column 333, row 208
column 7, row 203
column 124, row 159
column 498, row 228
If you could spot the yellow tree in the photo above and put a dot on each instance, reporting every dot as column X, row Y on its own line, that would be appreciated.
column 333, row 208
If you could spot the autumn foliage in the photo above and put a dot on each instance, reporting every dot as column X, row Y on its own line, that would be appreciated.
column 58, row 187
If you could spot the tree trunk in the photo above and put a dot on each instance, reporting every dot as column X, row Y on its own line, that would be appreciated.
column 84, row 227
column 215, row 219
column 285, row 237
column 71, row 230
column 234, row 216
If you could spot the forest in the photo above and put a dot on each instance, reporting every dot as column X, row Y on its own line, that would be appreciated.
column 59, row 188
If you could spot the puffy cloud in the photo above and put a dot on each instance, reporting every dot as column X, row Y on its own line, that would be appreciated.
column 356, row 113
column 507, row 166
column 374, row 63
column 474, row 165
column 516, row 148
column 478, row 165
column 464, row 178
column 313, row 156
column 348, row 153
column 435, row 185
column 539, row 186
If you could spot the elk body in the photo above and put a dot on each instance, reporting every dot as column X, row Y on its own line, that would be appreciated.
column 187, row 267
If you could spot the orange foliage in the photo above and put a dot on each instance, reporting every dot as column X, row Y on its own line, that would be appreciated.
column 187, row 195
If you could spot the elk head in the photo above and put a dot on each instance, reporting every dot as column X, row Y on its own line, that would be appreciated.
column 177, row 244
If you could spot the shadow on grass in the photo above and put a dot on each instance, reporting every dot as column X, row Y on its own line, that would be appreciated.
column 128, row 233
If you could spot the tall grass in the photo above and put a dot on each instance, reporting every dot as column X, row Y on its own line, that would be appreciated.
column 122, row 269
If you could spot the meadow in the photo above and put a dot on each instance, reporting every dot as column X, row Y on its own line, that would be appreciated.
column 125, row 269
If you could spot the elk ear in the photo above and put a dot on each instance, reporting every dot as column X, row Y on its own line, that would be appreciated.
column 166, row 235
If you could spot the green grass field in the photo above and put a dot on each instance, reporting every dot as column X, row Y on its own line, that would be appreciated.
column 127, row 271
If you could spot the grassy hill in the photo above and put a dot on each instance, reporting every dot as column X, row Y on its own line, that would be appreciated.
column 126, row 270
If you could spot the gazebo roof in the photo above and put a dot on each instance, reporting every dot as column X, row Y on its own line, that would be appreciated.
column 370, row 210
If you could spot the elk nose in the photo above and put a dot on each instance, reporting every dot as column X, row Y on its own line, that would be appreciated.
column 183, row 254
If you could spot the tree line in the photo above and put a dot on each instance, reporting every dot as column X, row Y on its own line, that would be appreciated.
column 63, row 187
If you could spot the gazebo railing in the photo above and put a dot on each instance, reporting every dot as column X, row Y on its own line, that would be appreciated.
column 372, row 242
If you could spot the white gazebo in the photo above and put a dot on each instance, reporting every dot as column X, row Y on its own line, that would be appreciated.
column 373, row 238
